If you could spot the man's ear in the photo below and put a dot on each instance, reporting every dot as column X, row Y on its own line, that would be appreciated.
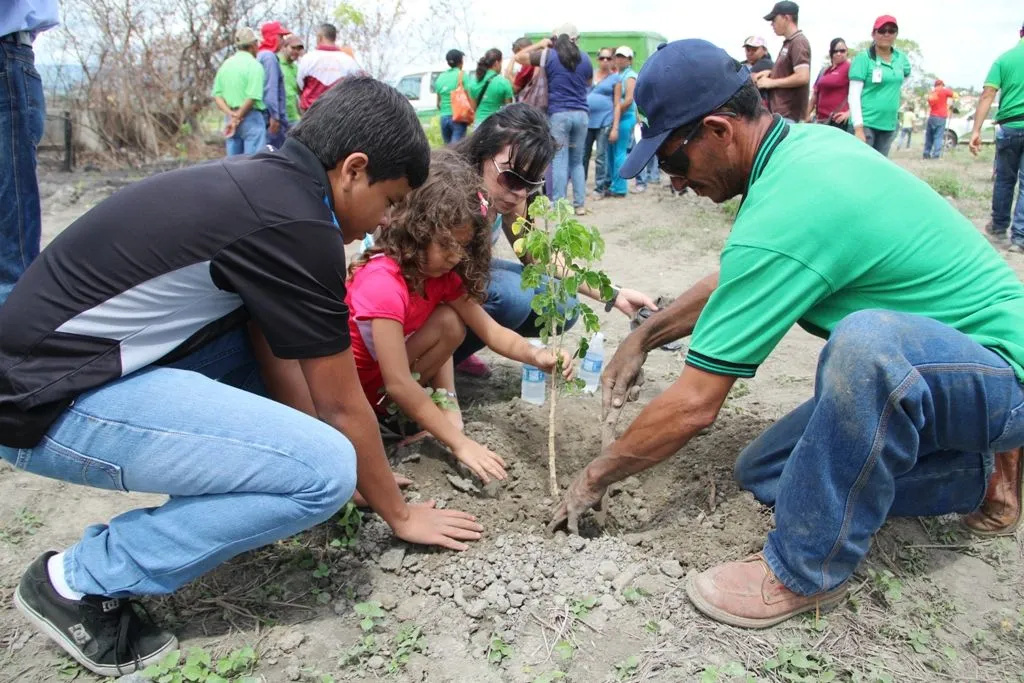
column 353, row 169
column 719, row 126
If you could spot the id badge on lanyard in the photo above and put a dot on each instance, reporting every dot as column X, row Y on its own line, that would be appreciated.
column 876, row 75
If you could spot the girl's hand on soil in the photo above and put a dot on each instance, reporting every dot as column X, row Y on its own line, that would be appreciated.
column 545, row 360
column 360, row 502
column 427, row 525
column 630, row 301
column 580, row 497
column 483, row 462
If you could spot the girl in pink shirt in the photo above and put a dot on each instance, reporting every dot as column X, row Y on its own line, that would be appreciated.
column 413, row 294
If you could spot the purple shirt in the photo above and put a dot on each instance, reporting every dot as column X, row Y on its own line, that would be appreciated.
column 567, row 90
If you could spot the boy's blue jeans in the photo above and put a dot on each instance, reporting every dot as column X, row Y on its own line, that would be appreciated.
column 509, row 304
column 241, row 470
column 1009, row 176
column 22, row 117
column 906, row 415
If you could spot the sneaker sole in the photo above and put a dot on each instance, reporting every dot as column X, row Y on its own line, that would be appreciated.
column 826, row 602
column 68, row 646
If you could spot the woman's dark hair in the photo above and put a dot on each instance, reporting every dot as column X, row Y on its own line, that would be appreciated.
column 521, row 126
column 520, row 44
column 452, row 198
column 568, row 52
column 361, row 114
column 486, row 62
column 833, row 44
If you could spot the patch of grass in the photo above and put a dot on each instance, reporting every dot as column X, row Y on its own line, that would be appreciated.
column 498, row 650
column 656, row 238
column 408, row 641
column 200, row 667
column 792, row 663
column 885, row 585
column 581, row 607
column 730, row 207
column 946, row 184
column 347, row 524
column 627, row 668
column 633, row 594
column 25, row 523
column 730, row 671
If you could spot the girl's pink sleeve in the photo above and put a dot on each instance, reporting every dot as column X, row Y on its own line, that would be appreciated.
column 378, row 291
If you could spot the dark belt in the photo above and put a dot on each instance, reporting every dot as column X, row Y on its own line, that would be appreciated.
column 18, row 38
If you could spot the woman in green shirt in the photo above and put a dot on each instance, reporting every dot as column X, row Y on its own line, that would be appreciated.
column 451, row 130
column 489, row 89
column 876, row 80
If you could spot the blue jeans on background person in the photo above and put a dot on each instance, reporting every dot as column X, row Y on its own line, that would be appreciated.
column 906, row 134
column 276, row 140
column 651, row 174
column 934, row 137
column 1009, row 175
column 250, row 136
column 451, row 130
column 569, row 128
column 597, row 138
column 241, row 470
column 880, row 140
column 617, row 152
column 509, row 304
column 22, row 118
column 906, row 415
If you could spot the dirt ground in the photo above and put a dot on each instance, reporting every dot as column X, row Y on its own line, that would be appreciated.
column 929, row 604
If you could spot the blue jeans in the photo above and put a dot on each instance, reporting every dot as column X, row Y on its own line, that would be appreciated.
column 880, row 140
column 251, row 135
column 277, row 140
column 934, row 137
column 241, row 470
column 509, row 304
column 650, row 174
column 22, row 117
column 905, row 136
column 906, row 415
column 617, row 152
column 597, row 138
column 569, row 129
column 1009, row 174
column 452, row 131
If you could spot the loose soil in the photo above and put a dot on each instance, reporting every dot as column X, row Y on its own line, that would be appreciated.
column 929, row 603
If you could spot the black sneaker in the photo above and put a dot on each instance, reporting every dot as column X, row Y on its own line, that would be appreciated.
column 106, row 635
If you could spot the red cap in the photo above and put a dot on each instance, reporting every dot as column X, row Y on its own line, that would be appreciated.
column 938, row 82
column 885, row 19
column 274, row 28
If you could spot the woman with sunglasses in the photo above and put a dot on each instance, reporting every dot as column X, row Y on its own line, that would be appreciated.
column 511, row 150
column 600, row 102
column 830, row 98
column 876, row 79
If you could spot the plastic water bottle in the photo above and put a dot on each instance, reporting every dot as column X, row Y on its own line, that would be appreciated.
column 593, row 363
column 534, row 381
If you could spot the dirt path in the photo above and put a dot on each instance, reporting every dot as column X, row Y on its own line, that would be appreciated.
column 930, row 604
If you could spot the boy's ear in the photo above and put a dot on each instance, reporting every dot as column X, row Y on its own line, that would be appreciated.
column 353, row 168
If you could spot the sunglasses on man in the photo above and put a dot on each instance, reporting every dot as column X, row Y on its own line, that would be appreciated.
column 677, row 164
column 512, row 181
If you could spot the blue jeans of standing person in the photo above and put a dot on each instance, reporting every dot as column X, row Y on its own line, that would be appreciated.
column 650, row 175
column 1009, row 175
column 569, row 129
column 597, row 142
column 509, row 304
column 276, row 140
column 451, row 130
column 880, row 140
column 906, row 415
column 617, row 152
column 250, row 136
column 905, row 137
column 241, row 470
column 22, row 117
column 934, row 137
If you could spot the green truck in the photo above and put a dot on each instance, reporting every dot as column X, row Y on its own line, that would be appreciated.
column 643, row 43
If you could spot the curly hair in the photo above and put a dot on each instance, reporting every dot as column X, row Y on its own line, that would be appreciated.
column 450, row 199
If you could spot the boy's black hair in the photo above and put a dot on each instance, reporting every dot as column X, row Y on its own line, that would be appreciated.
column 520, row 125
column 361, row 114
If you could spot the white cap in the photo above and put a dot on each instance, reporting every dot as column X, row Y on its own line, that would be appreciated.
column 569, row 30
column 625, row 51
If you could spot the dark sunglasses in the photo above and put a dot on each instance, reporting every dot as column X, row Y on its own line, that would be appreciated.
column 887, row 31
column 677, row 164
column 602, row 58
column 298, row 47
column 839, row 52
column 512, row 181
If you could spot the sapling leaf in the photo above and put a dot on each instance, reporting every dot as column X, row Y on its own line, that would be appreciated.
column 519, row 246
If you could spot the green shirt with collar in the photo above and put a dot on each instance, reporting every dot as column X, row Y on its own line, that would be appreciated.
column 1007, row 76
column 880, row 102
column 810, row 251
column 290, row 73
column 445, row 84
column 238, row 79
column 494, row 98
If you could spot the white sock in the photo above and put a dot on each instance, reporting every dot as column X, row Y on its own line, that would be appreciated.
column 55, row 568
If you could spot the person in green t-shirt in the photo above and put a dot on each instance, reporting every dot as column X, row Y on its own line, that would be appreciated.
column 489, row 89
column 876, row 80
column 1007, row 78
column 238, row 93
column 451, row 131
column 918, row 395
column 288, row 57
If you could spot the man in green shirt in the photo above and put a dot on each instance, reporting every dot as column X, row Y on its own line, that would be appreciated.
column 451, row 131
column 1007, row 78
column 287, row 57
column 238, row 92
column 914, row 388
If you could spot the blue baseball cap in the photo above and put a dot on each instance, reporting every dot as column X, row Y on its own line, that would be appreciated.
column 681, row 82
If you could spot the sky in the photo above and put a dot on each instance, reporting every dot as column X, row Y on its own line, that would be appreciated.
column 959, row 39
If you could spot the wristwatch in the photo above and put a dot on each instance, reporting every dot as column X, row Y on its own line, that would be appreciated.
column 610, row 304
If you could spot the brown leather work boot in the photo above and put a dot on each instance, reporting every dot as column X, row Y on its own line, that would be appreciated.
column 1000, row 512
column 748, row 594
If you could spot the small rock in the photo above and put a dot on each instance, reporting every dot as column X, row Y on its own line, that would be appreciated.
column 610, row 604
column 499, row 542
column 387, row 601
column 464, row 485
column 665, row 627
column 411, row 608
column 445, row 590
column 293, row 673
column 517, row 586
column 596, row 619
column 607, row 570
column 391, row 560
column 291, row 640
column 516, row 600
column 376, row 662
column 493, row 489
column 671, row 569
column 548, row 572
column 577, row 542
column 537, row 585
column 422, row 581
column 475, row 608
column 625, row 577
column 652, row 584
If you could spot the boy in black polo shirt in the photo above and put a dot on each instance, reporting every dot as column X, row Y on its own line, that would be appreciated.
column 126, row 363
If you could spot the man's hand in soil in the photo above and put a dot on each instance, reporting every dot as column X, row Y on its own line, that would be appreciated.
column 426, row 525
column 622, row 379
column 483, row 462
column 581, row 496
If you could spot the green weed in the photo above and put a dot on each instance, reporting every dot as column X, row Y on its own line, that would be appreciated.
column 581, row 607
column 199, row 667
column 371, row 613
column 347, row 523
column 408, row 640
column 730, row 671
column 498, row 650
column 946, row 184
column 627, row 667
column 26, row 523
column 800, row 666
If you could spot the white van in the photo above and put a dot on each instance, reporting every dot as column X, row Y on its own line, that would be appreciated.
column 417, row 84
